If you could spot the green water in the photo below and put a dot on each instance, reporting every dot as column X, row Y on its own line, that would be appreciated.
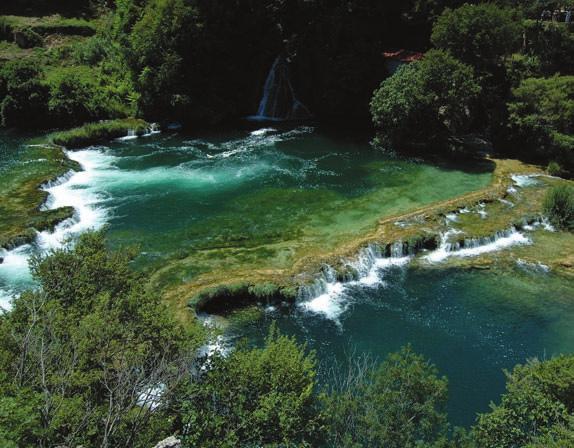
column 262, row 198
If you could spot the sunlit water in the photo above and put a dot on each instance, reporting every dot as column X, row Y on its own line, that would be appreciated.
column 309, row 190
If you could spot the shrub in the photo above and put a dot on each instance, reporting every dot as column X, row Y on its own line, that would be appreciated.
column 541, row 116
column 553, row 44
column 26, row 96
column 74, row 100
column 400, row 404
column 554, row 169
column 257, row 397
column 559, row 206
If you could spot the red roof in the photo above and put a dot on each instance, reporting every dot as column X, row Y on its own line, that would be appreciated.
column 403, row 55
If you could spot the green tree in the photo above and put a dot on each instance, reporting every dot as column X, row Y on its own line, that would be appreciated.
column 23, row 95
column 425, row 101
column 159, row 43
column 538, row 400
column 541, row 118
column 88, row 353
column 480, row 35
column 257, row 397
column 401, row 404
column 552, row 44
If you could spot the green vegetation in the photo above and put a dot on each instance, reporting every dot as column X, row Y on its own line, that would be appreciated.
column 425, row 101
column 93, row 133
column 271, row 400
column 479, row 35
column 21, row 198
column 94, row 358
column 559, row 206
column 542, row 118
column 81, row 357
column 399, row 404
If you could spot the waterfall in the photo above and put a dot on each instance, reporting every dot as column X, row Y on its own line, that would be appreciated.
column 471, row 247
column 279, row 102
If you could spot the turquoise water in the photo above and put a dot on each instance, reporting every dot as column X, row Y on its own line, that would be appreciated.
column 261, row 198
column 471, row 324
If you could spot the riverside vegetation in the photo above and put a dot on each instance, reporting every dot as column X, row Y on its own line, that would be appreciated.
column 101, row 354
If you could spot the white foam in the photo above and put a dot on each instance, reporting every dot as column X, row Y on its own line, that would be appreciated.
column 74, row 189
column 536, row 267
column 497, row 243
column 263, row 131
column 524, row 180
column 327, row 296
column 331, row 304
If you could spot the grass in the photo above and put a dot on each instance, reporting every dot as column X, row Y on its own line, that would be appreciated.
column 93, row 133
column 54, row 24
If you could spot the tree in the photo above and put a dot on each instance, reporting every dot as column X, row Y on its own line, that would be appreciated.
column 538, row 401
column 25, row 97
column 479, row 35
column 425, row 101
column 541, row 118
column 401, row 404
column 159, row 43
column 92, row 356
column 258, row 397
column 552, row 44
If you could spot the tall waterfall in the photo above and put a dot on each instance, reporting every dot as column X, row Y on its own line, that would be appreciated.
column 279, row 102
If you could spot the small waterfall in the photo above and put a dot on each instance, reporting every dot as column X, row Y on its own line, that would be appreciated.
column 326, row 295
column 279, row 102
column 470, row 247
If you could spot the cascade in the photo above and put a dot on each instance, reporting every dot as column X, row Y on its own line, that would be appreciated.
column 279, row 102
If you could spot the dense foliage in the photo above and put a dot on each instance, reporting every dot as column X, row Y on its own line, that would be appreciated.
column 81, row 357
column 425, row 101
column 541, row 118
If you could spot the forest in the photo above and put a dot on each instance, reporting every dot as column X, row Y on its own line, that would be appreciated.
column 93, row 356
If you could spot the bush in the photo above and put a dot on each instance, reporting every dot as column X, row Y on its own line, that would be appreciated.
column 257, row 397
column 553, row 44
column 554, row 169
column 74, row 100
column 401, row 404
column 559, row 206
column 25, row 96
column 426, row 101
